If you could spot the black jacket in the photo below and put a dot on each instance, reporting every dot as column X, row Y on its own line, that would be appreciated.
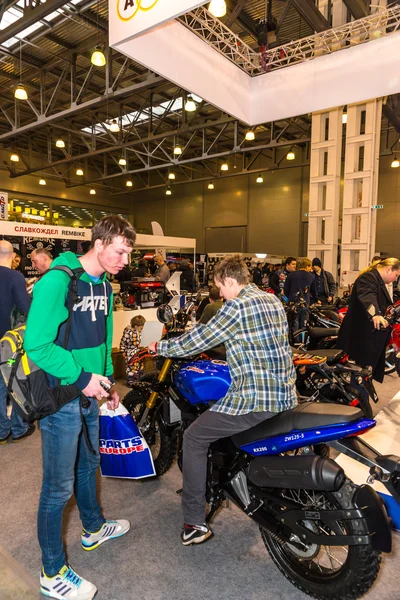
column 328, row 285
column 357, row 336
column 277, row 280
column 257, row 276
column 303, row 282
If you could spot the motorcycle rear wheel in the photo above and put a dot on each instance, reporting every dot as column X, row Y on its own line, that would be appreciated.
column 326, row 572
column 162, row 445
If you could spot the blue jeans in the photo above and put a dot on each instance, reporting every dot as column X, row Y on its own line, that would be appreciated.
column 68, row 466
column 15, row 424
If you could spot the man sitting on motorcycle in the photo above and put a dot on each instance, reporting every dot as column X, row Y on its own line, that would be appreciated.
column 252, row 324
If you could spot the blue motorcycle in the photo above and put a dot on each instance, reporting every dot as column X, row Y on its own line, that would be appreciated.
column 324, row 533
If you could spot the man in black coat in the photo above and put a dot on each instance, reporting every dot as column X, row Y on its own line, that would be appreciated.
column 364, row 333
column 324, row 282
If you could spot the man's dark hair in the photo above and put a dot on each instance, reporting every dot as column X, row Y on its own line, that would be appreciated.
column 289, row 260
column 234, row 267
column 111, row 227
column 43, row 251
column 214, row 293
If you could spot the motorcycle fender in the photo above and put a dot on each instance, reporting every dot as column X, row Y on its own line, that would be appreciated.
column 374, row 512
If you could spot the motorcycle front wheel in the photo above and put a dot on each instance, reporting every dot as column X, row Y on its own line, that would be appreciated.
column 322, row 571
column 162, row 445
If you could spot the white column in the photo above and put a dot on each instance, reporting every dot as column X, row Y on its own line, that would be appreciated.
column 360, row 187
column 323, row 223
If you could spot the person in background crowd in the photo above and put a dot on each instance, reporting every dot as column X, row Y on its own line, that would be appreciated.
column 172, row 267
column 41, row 260
column 277, row 278
column 301, row 282
column 13, row 294
column 324, row 283
column 213, row 307
column 364, row 332
column 68, row 464
column 257, row 274
column 16, row 261
column 267, row 269
column 129, row 345
column 187, row 277
column 252, row 325
column 162, row 273
column 141, row 270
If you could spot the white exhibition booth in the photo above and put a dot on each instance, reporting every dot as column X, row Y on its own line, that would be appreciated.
column 27, row 233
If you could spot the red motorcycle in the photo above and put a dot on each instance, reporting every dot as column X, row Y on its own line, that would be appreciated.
column 392, row 357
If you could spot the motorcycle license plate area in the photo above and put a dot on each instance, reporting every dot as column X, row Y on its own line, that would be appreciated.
column 384, row 438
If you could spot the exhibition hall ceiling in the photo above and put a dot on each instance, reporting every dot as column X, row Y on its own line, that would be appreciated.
column 48, row 47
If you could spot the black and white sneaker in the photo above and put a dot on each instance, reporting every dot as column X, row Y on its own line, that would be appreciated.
column 195, row 534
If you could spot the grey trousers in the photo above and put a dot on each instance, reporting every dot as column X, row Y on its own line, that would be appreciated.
column 209, row 427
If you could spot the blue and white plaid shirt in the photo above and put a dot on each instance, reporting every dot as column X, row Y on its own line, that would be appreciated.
column 254, row 329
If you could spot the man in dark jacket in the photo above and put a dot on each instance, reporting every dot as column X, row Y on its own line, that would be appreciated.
column 324, row 282
column 301, row 284
column 257, row 274
column 364, row 332
column 277, row 278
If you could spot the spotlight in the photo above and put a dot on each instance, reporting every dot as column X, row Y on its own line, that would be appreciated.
column 20, row 92
column 168, row 191
column 79, row 172
column 114, row 127
column 14, row 157
column 171, row 175
column 217, row 8
column 122, row 161
column 98, row 59
column 250, row 135
column 177, row 150
column 224, row 167
column 395, row 163
column 129, row 183
column 290, row 156
column 42, row 181
column 92, row 192
column 190, row 104
column 259, row 179
column 60, row 143
column 210, row 185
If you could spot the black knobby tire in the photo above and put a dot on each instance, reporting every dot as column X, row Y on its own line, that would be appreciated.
column 351, row 579
column 161, row 444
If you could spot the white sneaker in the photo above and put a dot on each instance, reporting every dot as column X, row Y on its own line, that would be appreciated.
column 66, row 585
column 108, row 531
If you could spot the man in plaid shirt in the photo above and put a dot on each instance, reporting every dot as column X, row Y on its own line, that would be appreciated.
column 252, row 324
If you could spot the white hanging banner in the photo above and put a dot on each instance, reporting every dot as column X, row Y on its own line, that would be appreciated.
column 33, row 230
column 129, row 18
column 4, row 206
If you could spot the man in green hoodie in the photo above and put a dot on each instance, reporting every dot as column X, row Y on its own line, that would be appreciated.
column 68, row 465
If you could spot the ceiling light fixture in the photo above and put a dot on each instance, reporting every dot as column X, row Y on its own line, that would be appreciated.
column 92, row 192
column 177, row 150
column 42, row 181
column 79, row 172
column 14, row 157
column 171, row 175
column 210, row 185
column 190, row 104
column 129, row 183
column 224, row 167
column 60, row 143
column 114, row 127
column 250, row 135
column 20, row 92
column 259, row 179
column 122, row 161
column 168, row 191
column 395, row 163
column 290, row 156
column 98, row 59
column 217, row 8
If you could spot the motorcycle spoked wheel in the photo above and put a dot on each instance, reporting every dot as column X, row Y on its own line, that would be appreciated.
column 390, row 360
column 326, row 572
column 162, row 446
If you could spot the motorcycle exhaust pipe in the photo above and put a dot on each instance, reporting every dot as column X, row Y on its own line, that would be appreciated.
column 296, row 472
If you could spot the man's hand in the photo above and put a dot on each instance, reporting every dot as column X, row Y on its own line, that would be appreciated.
column 379, row 322
column 114, row 402
column 94, row 389
column 152, row 347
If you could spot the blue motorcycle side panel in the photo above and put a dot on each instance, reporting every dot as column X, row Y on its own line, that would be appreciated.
column 306, row 437
column 203, row 381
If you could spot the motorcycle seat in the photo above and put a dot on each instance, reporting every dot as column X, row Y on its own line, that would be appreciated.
column 323, row 332
column 332, row 355
column 305, row 416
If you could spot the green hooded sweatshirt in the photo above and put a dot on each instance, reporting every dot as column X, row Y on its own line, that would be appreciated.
column 90, row 339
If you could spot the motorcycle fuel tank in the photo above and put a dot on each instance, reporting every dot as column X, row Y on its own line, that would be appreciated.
column 203, row 381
